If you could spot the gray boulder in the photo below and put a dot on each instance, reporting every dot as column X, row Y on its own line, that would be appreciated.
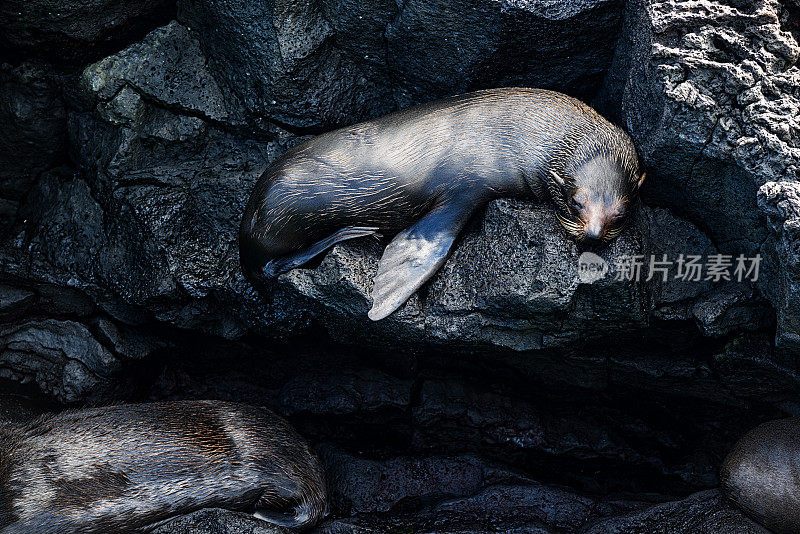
column 709, row 92
column 331, row 63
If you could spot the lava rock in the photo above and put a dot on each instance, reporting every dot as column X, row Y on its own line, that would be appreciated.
column 217, row 520
column 438, row 48
column 73, row 31
column 532, row 506
column 61, row 357
column 709, row 92
column 362, row 391
column 706, row 512
column 166, row 67
column 332, row 63
column 33, row 131
column 535, row 509
column 360, row 485
column 780, row 201
column 554, row 436
column 528, row 508
column 284, row 60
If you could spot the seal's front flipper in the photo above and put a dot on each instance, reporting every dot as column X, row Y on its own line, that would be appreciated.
column 280, row 265
column 412, row 257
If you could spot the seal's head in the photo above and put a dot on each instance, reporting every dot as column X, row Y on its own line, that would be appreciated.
column 596, row 195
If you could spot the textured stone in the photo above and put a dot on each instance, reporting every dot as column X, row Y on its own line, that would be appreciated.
column 702, row 513
column 780, row 201
column 367, row 486
column 33, row 131
column 215, row 520
column 307, row 64
column 709, row 92
column 438, row 48
column 71, row 31
column 61, row 357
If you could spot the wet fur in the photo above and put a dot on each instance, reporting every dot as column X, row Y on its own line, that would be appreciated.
column 122, row 468
column 453, row 155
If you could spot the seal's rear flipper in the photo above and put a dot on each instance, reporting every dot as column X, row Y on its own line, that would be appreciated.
column 295, row 519
column 280, row 265
column 413, row 256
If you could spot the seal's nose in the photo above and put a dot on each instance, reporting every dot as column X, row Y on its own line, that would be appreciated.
column 592, row 232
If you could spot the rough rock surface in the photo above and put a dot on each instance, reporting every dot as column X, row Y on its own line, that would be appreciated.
column 61, row 356
column 780, row 201
column 71, row 31
column 709, row 92
column 33, row 133
column 702, row 513
column 526, row 508
column 321, row 64
column 213, row 520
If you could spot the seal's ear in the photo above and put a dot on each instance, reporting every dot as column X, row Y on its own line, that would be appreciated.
column 638, row 183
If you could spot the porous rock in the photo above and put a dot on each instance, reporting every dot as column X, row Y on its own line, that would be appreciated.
column 322, row 64
column 709, row 92
column 72, row 31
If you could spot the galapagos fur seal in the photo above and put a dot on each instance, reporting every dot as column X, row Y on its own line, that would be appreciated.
column 130, row 467
column 761, row 475
column 423, row 171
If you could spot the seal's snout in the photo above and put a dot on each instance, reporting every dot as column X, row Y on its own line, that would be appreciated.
column 593, row 232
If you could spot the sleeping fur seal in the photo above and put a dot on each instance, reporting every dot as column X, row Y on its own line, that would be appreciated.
column 124, row 468
column 424, row 171
column 762, row 475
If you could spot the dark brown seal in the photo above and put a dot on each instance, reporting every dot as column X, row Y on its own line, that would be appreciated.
column 122, row 468
column 425, row 170
column 762, row 475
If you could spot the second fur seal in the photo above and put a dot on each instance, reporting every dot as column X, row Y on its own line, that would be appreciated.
column 425, row 170
column 762, row 475
column 130, row 467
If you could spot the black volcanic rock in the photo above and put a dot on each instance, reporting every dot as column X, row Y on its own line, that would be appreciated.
column 334, row 63
column 438, row 48
column 33, row 131
column 61, row 357
column 780, row 201
column 218, row 520
column 706, row 512
column 708, row 91
column 71, row 31
column 535, row 509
